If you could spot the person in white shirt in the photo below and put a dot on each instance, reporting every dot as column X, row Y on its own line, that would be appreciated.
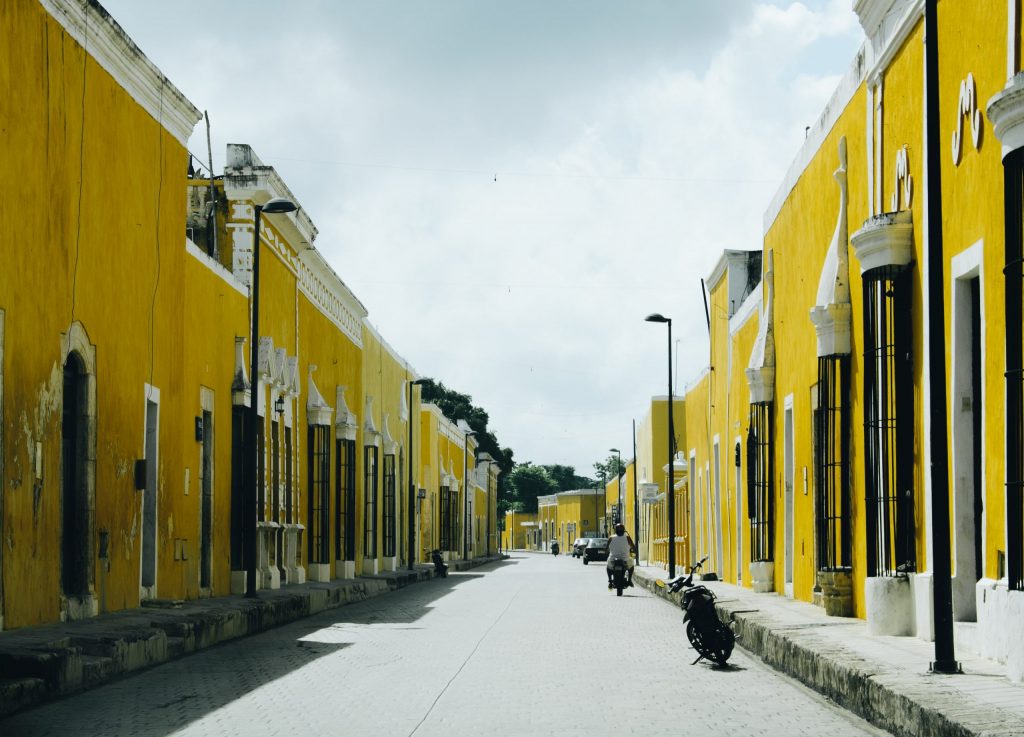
column 621, row 547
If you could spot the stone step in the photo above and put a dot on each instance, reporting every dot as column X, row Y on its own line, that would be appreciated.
column 18, row 693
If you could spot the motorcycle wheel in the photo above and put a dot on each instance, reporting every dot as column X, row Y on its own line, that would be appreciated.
column 586, row 561
column 620, row 583
column 713, row 646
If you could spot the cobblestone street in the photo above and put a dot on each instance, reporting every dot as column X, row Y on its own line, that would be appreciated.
column 525, row 647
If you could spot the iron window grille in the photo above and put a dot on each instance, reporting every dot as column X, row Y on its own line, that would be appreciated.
column 261, row 470
column 288, row 501
column 1013, row 273
column 370, row 502
column 760, row 485
column 345, row 500
column 832, row 463
column 888, row 422
column 275, row 481
column 238, row 414
column 206, row 507
column 453, row 521
column 319, row 481
column 444, row 522
column 389, row 505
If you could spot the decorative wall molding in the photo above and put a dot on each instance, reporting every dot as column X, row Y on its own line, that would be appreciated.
column 371, row 436
column 240, row 387
column 832, row 312
column 107, row 43
column 346, row 423
column 904, row 183
column 761, row 368
column 389, row 443
column 317, row 411
column 1005, row 110
column 966, row 106
column 885, row 240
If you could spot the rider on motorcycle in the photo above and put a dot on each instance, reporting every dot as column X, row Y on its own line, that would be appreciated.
column 621, row 547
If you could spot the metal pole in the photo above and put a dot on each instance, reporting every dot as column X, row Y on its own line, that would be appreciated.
column 671, row 491
column 942, row 602
column 251, row 452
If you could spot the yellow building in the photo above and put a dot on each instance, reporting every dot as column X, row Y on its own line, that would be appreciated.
column 92, row 323
column 809, row 432
column 125, row 411
column 652, row 479
column 519, row 530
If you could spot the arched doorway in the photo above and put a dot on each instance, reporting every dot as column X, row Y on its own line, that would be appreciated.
column 75, row 516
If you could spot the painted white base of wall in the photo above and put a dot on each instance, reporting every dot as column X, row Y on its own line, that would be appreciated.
column 269, row 578
column 391, row 564
column 371, row 566
column 296, row 574
column 924, row 606
column 762, row 576
column 319, row 571
column 1000, row 624
column 889, row 604
column 346, row 569
column 72, row 608
column 238, row 582
column 965, row 598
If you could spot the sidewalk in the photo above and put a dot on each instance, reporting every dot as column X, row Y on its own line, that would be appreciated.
column 883, row 679
column 41, row 663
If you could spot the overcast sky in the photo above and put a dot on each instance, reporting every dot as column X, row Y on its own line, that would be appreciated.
column 510, row 186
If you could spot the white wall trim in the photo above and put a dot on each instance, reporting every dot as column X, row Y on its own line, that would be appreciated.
column 108, row 44
column 213, row 265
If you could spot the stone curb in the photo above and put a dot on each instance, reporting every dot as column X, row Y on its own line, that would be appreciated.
column 42, row 663
column 899, row 701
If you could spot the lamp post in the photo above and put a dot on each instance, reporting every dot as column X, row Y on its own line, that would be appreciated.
column 273, row 206
column 412, row 483
column 465, row 493
column 618, row 482
column 670, row 491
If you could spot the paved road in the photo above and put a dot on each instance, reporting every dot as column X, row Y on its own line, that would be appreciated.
column 524, row 647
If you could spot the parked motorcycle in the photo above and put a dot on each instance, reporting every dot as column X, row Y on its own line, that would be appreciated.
column 440, row 567
column 619, row 575
column 710, row 637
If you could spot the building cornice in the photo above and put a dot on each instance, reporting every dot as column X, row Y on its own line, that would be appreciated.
column 107, row 43
column 885, row 240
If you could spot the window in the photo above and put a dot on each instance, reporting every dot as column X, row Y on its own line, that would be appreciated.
column 261, row 470
column 288, row 502
column 275, row 470
column 832, row 463
column 345, row 500
column 389, row 505
column 238, row 415
column 370, row 501
column 888, row 421
column 760, row 486
column 319, row 475
column 444, row 522
column 1013, row 171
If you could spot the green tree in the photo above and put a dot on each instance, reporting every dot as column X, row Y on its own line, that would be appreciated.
column 566, row 477
column 457, row 406
column 609, row 468
column 527, row 482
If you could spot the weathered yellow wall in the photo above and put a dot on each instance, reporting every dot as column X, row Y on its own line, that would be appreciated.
column 119, row 271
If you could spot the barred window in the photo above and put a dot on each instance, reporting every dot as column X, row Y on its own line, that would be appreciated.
column 389, row 505
column 832, row 463
column 445, row 515
column 453, row 521
column 1013, row 173
column 760, row 486
column 319, row 480
column 345, row 499
column 288, row 474
column 261, row 470
column 370, row 501
column 888, row 421
column 238, row 486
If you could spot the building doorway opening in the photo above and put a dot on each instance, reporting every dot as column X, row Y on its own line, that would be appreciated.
column 149, row 497
column 74, row 492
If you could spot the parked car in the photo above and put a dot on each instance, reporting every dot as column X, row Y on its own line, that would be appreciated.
column 597, row 549
column 578, row 546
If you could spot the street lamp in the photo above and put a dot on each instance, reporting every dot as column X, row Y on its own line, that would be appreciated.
column 412, row 483
column 618, row 482
column 670, row 491
column 274, row 206
column 465, row 493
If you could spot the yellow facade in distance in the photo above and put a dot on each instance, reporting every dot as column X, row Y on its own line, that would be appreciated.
column 515, row 535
